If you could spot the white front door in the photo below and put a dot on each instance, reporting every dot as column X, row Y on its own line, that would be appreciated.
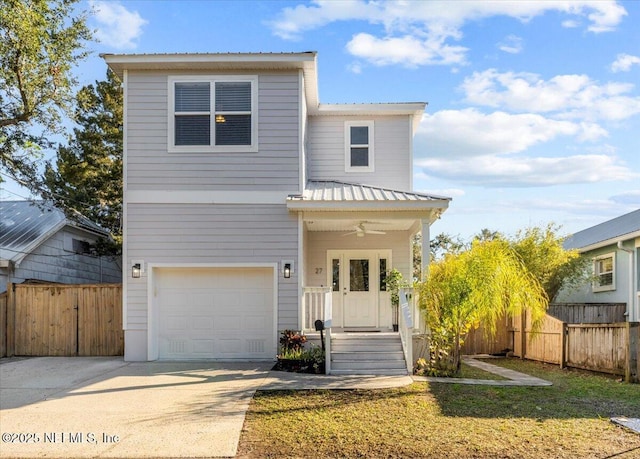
column 355, row 278
column 360, row 290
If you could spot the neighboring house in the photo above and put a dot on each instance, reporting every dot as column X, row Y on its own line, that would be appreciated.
column 614, row 247
column 38, row 243
column 249, row 206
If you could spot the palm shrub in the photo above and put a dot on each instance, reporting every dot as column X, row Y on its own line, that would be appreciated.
column 475, row 287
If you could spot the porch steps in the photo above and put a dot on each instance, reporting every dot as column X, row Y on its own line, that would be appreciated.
column 367, row 354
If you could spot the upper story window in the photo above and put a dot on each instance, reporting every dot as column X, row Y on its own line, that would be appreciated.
column 359, row 146
column 212, row 114
column 604, row 270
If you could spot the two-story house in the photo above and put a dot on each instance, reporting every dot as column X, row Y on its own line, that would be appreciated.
column 250, row 207
column 614, row 248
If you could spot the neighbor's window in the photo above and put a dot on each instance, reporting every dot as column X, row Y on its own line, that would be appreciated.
column 81, row 246
column 208, row 114
column 604, row 270
column 359, row 146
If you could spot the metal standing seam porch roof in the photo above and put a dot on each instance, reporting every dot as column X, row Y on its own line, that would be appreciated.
column 335, row 195
column 620, row 228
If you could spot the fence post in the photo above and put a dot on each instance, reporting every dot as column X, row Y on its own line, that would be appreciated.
column 564, row 340
column 628, row 351
column 634, row 350
column 523, row 334
column 11, row 319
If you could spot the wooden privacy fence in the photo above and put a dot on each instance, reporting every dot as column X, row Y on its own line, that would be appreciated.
column 545, row 346
column 607, row 348
column 588, row 313
column 63, row 320
column 478, row 342
column 591, row 336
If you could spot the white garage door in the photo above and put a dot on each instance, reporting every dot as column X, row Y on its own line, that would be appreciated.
column 215, row 313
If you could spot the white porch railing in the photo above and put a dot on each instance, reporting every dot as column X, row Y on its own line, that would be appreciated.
column 317, row 305
column 315, row 302
column 406, row 324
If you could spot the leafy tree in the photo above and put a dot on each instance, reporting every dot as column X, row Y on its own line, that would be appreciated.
column 40, row 43
column 444, row 244
column 416, row 250
column 474, row 287
column 88, row 171
column 439, row 246
column 542, row 253
column 488, row 235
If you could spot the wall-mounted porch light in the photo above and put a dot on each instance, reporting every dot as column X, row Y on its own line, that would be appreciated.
column 287, row 268
column 136, row 270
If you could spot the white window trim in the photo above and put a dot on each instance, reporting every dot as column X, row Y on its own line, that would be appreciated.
column 595, row 286
column 348, row 145
column 172, row 148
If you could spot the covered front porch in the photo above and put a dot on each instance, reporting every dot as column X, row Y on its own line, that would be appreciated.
column 351, row 238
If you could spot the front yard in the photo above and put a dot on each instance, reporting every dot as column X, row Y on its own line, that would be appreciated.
column 569, row 419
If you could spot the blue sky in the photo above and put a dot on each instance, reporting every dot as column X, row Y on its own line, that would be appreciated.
column 534, row 107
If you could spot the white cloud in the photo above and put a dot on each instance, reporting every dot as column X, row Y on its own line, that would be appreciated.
column 624, row 62
column 631, row 198
column 355, row 67
column 475, row 148
column 468, row 132
column 426, row 28
column 570, row 24
column 407, row 50
column 512, row 44
column 117, row 26
column 495, row 171
column 569, row 96
column 447, row 192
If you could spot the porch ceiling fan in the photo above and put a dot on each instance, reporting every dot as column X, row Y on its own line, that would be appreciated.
column 360, row 231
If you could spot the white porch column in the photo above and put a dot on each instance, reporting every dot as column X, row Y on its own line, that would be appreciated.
column 426, row 252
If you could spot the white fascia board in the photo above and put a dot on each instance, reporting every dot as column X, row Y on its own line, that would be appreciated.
column 168, row 58
column 355, row 206
column 205, row 197
column 612, row 241
column 209, row 61
column 409, row 108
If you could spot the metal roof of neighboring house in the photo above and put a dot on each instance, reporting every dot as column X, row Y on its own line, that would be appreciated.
column 24, row 225
column 618, row 229
column 336, row 195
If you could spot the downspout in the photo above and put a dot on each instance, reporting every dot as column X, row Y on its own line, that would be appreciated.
column 631, row 309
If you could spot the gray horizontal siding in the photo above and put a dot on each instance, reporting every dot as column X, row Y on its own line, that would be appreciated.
column 392, row 150
column 195, row 233
column 274, row 167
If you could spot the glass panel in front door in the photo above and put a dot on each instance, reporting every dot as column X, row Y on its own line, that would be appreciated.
column 335, row 273
column 359, row 275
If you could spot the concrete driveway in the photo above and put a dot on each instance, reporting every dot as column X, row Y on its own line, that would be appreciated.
column 105, row 407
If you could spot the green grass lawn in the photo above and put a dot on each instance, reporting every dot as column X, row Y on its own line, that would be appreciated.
column 569, row 419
